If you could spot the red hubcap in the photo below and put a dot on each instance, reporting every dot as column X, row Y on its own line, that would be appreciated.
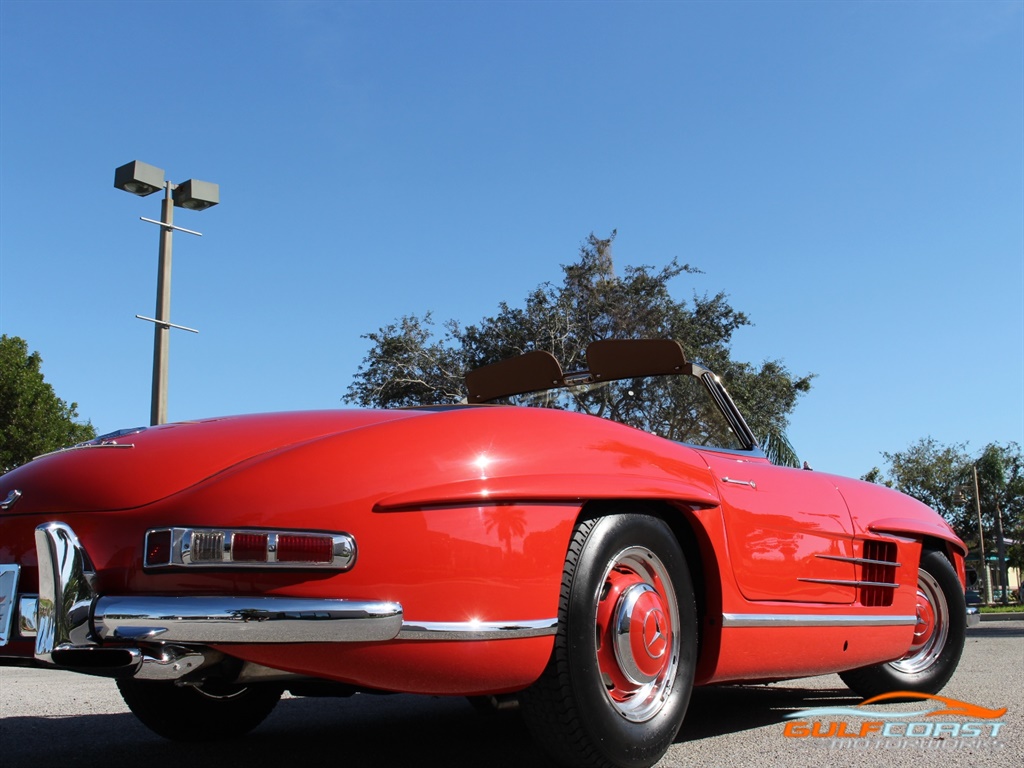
column 649, row 634
column 925, row 621
column 634, row 633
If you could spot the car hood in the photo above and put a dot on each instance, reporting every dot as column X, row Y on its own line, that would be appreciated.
column 134, row 468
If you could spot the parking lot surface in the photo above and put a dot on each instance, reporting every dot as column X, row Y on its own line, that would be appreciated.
column 50, row 718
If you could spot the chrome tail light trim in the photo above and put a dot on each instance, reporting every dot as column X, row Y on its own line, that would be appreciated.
column 215, row 548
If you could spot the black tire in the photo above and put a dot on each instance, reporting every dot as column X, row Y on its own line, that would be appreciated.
column 938, row 637
column 192, row 713
column 626, row 590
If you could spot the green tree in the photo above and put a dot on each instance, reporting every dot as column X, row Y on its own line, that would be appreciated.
column 934, row 474
column 33, row 420
column 413, row 362
column 942, row 476
column 1001, row 491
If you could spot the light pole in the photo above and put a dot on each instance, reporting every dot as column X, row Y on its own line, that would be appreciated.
column 142, row 179
column 986, row 576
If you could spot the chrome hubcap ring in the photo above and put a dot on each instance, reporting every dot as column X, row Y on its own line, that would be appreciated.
column 637, row 638
column 931, row 630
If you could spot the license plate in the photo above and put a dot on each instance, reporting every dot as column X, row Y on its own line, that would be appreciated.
column 8, row 600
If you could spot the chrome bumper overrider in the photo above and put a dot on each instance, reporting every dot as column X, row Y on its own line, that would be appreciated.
column 162, row 637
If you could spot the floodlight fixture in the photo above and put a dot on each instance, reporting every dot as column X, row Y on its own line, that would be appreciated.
column 196, row 195
column 139, row 178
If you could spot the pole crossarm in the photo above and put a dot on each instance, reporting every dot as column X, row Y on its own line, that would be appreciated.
column 166, row 324
column 171, row 226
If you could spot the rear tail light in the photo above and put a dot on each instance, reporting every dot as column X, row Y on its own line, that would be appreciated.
column 303, row 549
column 249, row 547
column 208, row 547
column 158, row 547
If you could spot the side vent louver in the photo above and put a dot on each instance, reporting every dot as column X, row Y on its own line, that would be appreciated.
column 878, row 572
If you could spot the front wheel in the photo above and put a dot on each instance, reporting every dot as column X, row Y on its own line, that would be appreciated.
column 616, row 688
column 938, row 637
column 206, row 712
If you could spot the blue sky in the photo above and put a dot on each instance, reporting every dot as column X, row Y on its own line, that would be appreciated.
column 850, row 174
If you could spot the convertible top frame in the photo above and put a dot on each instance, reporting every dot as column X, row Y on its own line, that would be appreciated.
column 607, row 360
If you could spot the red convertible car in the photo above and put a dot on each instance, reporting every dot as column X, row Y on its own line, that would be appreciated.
column 591, row 559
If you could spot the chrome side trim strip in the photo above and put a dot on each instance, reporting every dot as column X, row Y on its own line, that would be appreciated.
column 851, row 583
column 859, row 560
column 814, row 620
column 477, row 630
column 245, row 619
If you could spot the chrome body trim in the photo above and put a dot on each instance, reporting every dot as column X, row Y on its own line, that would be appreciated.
column 733, row 481
column 244, row 620
column 477, row 630
column 171, row 662
column 65, row 590
column 852, row 582
column 108, row 440
column 814, row 620
column 27, row 606
column 11, row 500
column 130, row 624
column 84, row 446
column 727, row 406
column 8, row 600
column 858, row 560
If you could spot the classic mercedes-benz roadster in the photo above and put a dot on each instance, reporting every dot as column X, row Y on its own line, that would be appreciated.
column 591, row 559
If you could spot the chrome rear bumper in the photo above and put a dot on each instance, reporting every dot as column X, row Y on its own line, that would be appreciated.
column 69, row 615
column 167, row 637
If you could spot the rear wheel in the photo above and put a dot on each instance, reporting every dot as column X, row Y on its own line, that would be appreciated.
column 618, row 683
column 207, row 712
column 938, row 637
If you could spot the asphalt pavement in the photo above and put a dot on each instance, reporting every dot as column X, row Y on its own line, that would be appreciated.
column 60, row 719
